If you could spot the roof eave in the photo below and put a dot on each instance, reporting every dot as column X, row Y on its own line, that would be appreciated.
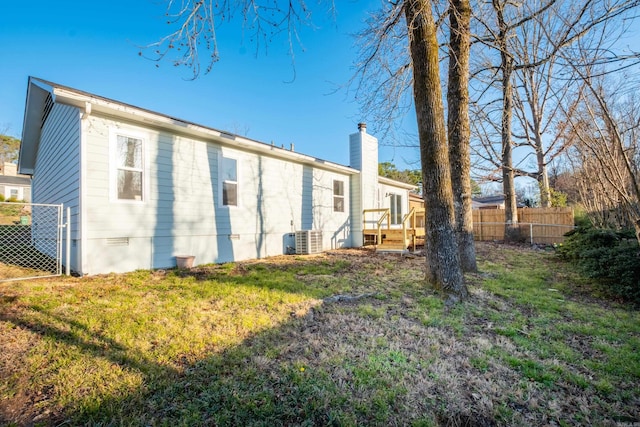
column 120, row 110
column 389, row 181
column 37, row 93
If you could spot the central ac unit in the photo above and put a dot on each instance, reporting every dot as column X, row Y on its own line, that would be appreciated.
column 308, row 242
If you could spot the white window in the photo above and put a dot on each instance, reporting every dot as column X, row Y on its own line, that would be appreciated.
column 128, row 170
column 396, row 208
column 14, row 193
column 338, row 196
column 229, row 178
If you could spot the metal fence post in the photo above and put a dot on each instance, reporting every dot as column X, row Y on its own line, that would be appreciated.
column 531, row 232
column 68, row 248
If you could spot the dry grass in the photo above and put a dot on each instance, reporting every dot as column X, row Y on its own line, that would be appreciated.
column 257, row 343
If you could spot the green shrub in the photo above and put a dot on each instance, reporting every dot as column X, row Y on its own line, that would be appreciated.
column 581, row 219
column 558, row 198
column 1, row 197
column 612, row 257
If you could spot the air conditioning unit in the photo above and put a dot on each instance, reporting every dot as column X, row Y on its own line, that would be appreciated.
column 308, row 242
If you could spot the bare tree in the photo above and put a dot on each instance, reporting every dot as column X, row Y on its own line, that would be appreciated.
column 603, row 129
column 382, row 82
column 195, row 23
column 556, row 26
column 459, row 130
column 443, row 260
column 540, row 92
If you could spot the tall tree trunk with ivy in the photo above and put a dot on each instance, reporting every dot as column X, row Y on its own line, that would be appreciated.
column 458, row 129
column 443, row 260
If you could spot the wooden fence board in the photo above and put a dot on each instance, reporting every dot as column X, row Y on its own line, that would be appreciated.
column 537, row 225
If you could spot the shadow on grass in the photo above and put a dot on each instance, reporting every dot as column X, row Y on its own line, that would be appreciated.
column 327, row 366
column 261, row 381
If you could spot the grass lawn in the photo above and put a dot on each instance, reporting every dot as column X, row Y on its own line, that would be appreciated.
column 262, row 343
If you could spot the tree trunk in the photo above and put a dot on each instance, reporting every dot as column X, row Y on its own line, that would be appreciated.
column 511, row 230
column 459, row 131
column 536, row 119
column 543, row 183
column 443, row 261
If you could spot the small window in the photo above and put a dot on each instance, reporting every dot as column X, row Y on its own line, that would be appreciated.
column 338, row 196
column 396, row 208
column 229, row 181
column 14, row 193
column 129, row 169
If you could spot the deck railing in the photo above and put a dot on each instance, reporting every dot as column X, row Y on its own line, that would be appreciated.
column 386, row 215
column 408, row 224
column 410, row 219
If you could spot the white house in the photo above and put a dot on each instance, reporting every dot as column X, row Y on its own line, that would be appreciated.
column 144, row 187
column 13, row 186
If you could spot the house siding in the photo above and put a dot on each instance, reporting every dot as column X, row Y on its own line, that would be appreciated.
column 182, row 212
column 58, row 168
column 385, row 190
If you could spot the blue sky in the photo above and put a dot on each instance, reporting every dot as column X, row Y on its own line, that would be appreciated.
column 93, row 46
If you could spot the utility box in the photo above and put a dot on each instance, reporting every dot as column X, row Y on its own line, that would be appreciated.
column 308, row 242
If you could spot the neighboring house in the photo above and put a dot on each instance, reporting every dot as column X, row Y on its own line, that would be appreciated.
column 416, row 201
column 14, row 186
column 488, row 202
column 144, row 187
column 491, row 202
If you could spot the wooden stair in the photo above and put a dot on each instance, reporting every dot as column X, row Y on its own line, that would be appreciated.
column 393, row 241
column 387, row 239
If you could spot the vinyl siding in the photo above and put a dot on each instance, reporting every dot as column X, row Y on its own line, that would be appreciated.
column 57, row 177
column 182, row 212
column 385, row 190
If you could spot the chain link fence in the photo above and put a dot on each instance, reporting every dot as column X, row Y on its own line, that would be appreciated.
column 30, row 240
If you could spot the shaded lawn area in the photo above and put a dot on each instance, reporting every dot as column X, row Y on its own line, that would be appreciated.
column 257, row 343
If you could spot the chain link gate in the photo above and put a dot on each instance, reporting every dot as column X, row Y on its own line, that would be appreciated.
column 30, row 240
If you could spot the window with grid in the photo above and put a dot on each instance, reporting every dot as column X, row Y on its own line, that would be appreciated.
column 338, row 196
column 129, row 168
column 229, row 171
column 396, row 208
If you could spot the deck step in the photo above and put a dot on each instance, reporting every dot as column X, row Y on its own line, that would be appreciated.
column 387, row 247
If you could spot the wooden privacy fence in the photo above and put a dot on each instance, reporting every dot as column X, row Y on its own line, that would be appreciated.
column 536, row 225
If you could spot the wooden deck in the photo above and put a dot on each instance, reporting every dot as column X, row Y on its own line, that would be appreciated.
column 379, row 231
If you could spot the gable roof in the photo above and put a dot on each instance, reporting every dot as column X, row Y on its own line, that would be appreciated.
column 389, row 181
column 490, row 200
column 39, row 90
column 15, row 180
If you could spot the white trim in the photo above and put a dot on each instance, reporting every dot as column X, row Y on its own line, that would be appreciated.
column 228, row 154
column 393, row 208
column 114, row 132
column 111, row 107
column 343, row 196
column 394, row 183
column 83, row 264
